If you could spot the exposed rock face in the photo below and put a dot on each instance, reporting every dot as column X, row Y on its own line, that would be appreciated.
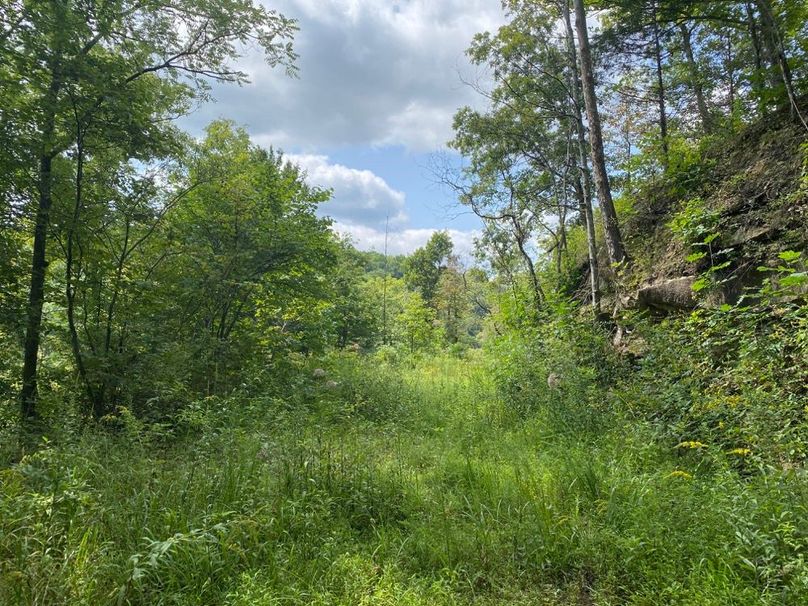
column 668, row 295
column 754, row 187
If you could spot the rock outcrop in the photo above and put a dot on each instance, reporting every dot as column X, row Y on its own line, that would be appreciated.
column 668, row 295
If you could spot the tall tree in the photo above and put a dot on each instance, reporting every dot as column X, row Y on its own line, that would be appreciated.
column 252, row 255
column 422, row 270
column 773, row 38
column 524, row 170
column 695, row 77
column 82, row 59
column 614, row 239
column 584, row 187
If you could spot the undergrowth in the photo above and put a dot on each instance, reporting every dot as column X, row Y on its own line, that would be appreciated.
column 457, row 481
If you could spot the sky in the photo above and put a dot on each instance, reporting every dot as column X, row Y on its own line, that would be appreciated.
column 378, row 85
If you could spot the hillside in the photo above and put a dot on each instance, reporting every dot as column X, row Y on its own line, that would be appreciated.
column 749, row 191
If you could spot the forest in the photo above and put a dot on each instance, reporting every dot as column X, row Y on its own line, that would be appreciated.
column 208, row 395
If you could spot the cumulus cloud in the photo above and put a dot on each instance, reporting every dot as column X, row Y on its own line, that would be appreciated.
column 359, row 196
column 404, row 241
column 372, row 72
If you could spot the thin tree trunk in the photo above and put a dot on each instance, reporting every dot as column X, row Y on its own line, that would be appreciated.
column 538, row 292
column 663, row 114
column 774, row 40
column 592, row 249
column 614, row 240
column 70, row 291
column 756, row 45
column 695, row 79
column 562, row 230
column 100, row 399
column 384, row 282
column 583, row 184
column 730, row 69
column 116, row 288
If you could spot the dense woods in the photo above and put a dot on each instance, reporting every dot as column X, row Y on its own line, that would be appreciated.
column 209, row 396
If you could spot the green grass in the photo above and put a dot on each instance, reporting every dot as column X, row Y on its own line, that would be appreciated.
column 399, row 486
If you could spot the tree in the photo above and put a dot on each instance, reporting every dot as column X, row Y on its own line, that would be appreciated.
column 417, row 322
column 354, row 315
column 584, row 183
column 695, row 77
column 81, row 62
column 773, row 39
column 183, row 276
column 422, row 269
column 614, row 240
column 251, row 258
column 452, row 301
column 527, row 153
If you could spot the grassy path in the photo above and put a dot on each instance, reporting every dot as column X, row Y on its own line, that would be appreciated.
column 401, row 486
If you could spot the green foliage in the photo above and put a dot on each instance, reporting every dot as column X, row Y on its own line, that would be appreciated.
column 278, row 418
column 730, row 376
column 697, row 226
column 416, row 485
column 423, row 268
column 417, row 323
column 688, row 166
column 695, row 223
column 557, row 370
column 377, row 265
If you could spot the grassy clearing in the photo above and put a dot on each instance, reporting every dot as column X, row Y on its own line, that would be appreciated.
column 402, row 485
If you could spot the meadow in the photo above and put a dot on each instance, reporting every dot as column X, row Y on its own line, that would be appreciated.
column 396, row 483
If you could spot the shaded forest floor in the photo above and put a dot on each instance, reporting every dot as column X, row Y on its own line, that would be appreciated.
column 401, row 484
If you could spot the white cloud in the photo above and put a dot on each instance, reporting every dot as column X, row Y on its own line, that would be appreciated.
column 358, row 195
column 372, row 72
column 404, row 241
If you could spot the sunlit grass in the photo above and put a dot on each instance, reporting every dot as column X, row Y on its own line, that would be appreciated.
column 402, row 486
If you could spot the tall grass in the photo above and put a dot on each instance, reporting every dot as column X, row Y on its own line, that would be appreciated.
column 398, row 485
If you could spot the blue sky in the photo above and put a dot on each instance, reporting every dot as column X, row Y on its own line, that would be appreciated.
column 379, row 83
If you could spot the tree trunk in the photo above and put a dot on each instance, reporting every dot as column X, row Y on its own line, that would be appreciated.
column 583, row 184
column 774, row 40
column 756, row 46
column 614, row 240
column 36, row 294
column 538, row 292
column 384, row 282
column 39, row 264
column 695, row 79
column 730, row 69
column 663, row 114
column 70, row 291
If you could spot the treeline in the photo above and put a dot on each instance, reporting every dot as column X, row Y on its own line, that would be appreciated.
column 93, row 167
column 626, row 149
column 435, row 302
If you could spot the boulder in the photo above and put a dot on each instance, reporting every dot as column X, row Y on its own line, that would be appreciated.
column 668, row 295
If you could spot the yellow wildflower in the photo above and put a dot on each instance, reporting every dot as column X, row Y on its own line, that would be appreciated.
column 740, row 451
column 691, row 444
column 678, row 473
